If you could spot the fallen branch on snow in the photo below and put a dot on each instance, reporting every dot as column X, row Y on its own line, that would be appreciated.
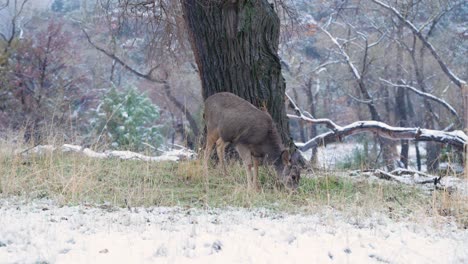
column 401, row 171
column 413, row 179
column 169, row 155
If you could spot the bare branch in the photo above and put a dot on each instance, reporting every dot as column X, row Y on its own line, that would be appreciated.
column 343, row 52
column 182, row 107
column 378, row 41
column 455, row 138
column 323, row 65
column 363, row 89
column 3, row 6
column 301, row 116
column 390, row 176
column 147, row 76
column 459, row 82
column 359, row 100
column 401, row 171
column 425, row 95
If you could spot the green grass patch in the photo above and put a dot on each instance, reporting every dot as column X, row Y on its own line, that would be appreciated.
column 74, row 179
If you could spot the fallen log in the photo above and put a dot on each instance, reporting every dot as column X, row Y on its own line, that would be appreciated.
column 456, row 138
column 167, row 155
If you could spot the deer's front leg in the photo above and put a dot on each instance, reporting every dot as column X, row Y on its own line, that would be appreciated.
column 256, row 162
column 246, row 157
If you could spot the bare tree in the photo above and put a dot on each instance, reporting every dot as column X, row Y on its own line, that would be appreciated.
column 12, row 28
column 387, row 147
column 422, row 33
column 443, row 65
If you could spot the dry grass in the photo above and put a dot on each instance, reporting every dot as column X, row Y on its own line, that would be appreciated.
column 73, row 179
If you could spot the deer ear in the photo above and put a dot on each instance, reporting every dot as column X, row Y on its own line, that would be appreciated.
column 285, row 157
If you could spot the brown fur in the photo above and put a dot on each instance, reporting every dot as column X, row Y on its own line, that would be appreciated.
column 232, row 120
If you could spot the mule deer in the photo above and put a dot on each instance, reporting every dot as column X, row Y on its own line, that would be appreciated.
column 232, row 120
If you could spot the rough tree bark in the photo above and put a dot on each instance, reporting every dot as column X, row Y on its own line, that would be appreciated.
column 235, row 44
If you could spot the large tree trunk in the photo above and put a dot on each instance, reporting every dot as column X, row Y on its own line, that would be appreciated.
column 235, row 44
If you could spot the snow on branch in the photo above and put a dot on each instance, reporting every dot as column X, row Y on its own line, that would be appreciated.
column 416, row 178
column 422, row 180
column 169, row 155
column 353, row 68
column 357, row 76
column 455, row 138
column 459, row 82
column 301, row 116
column 426, row 95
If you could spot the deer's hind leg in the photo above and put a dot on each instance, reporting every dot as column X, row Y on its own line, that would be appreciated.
column 221, row 150
column 211, row 138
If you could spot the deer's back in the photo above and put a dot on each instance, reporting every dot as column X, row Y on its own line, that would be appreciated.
column 236, row 120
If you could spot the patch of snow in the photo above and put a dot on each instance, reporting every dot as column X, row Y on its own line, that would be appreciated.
column 167, row 155
column 69, row 147
column 93, row 154
column 42, row 231
column 334, row 153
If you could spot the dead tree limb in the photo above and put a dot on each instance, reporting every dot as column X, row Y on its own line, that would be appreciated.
column 387, row 176
column 148, row 76
column 356, row 74
column 301, row 116
column 401, row 171
column 391, row 177
column 425, row 95
column 455, row 138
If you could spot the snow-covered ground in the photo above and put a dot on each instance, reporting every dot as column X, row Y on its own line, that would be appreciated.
column 40, row 230
column 331, row 155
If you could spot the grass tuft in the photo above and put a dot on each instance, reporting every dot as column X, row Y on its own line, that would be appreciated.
column 70, row 178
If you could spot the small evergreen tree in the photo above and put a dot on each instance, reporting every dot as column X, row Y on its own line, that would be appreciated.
column 127, row 120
